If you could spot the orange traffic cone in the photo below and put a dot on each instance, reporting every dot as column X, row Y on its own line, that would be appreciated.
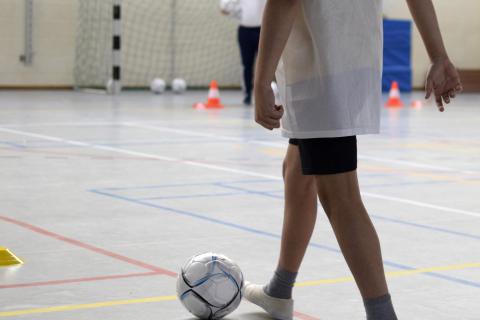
column 394, row 100
column 214, row 96
column 213, row 101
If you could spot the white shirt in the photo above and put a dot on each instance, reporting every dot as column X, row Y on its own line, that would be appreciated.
column 329, row 76
column 251, row 12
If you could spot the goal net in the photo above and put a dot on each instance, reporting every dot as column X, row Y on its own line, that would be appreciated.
column 165, row 39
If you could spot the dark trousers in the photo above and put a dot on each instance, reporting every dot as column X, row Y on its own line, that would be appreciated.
column 248, row 38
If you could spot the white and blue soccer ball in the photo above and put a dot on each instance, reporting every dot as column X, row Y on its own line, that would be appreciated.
column 210, row 286
column 158, row 85
column 109, row 86
column 179, row 85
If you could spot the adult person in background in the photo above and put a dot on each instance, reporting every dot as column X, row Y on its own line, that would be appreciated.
column 249, row 13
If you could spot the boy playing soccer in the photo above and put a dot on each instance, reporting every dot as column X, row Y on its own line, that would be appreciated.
column 327, row 55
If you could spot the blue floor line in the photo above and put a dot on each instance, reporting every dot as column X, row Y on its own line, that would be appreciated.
column 187, row 184
column 206, row 195
column 422, row 226
column 363, row 185
column 202, row 217
column 271, row 194
column 13, row 144
column 127, row 144
column 272, row 235
column 392, row 220
column 404, row 184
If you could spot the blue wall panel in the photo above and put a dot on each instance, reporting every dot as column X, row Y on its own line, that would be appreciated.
column 397, row 54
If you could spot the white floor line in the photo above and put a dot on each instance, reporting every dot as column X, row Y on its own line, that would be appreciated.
column 61, row 124
column 205, row 135
column 284, row 145
column 236, row 139
column 421, row 204
column 225, row 169
column 416, row 164
column 138, row 154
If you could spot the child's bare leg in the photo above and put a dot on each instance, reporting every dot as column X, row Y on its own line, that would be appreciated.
column 300, row 212
column 356, row 235
column 358, row 240
column 298, row 223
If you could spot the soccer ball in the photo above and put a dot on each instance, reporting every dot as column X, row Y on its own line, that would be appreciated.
column 179, row 85
column 209, row 285
column 157, row 85
column 109, row 86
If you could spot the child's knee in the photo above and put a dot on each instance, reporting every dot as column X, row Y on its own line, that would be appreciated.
column 338, row 198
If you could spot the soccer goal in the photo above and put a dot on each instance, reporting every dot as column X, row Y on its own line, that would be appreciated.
column 127, row 43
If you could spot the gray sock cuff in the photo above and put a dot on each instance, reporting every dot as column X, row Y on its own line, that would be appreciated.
column 380, row 308
column 285, row 276
column 281, row 284
column 377, row 301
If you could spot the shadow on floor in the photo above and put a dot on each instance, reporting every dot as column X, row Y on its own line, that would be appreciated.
column 244, row 316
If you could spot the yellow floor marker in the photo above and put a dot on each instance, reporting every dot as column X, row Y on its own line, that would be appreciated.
column 7, row 258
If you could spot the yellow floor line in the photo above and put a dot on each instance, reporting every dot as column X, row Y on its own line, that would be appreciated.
column 85, row 306
column 390, row 274
column 433, row 269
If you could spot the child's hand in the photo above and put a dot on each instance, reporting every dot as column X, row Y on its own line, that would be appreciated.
column 442, row 80
column 267, row 114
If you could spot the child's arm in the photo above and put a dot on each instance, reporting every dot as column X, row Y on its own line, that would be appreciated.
column 278, row 19
column 442, row 79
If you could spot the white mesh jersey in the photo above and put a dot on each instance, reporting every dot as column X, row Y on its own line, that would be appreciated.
column 329, row 75
column 252, row 12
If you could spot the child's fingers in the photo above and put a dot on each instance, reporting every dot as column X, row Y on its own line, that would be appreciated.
column 260, row 119
column 446, row 98
column 271, row 123
column 428, row 88
column 446, row 95
column 275, row 113
column 438, row 99
column 276, row 117
column 279, row 109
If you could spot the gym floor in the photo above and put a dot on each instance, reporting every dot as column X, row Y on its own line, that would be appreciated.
column 104, row 198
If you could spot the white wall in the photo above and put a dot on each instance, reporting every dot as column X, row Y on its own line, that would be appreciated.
column 55, row 27
column 460, row 26
column 54, row 43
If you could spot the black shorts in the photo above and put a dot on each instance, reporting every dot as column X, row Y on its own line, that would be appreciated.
column 327, row 155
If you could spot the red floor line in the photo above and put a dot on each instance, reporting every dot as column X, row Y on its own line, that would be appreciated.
column 304, row 316
column 89, row 279
column 89, row 247
column 156, row 270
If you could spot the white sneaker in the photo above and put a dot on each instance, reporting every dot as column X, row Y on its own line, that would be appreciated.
column 281, row 309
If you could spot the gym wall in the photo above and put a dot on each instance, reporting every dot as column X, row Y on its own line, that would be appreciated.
column 460, row 27
column 54, row 29
column 55, row 23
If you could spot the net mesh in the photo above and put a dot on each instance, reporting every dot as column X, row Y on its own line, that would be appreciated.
column 188, row 39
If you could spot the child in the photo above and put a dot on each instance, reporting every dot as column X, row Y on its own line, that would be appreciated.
column 329, row 58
